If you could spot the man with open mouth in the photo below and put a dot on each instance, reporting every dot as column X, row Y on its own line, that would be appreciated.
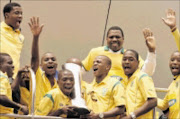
column 115, row 51
column 105, row 95
column 57, row 101
column 45, row 69
column 140, row 90
column 7, row 105
column 172, row 98
column 11, row 38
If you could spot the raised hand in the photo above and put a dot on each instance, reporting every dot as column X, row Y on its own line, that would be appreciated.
column 170, row 19
column 150, row 40
column 24, row 71
column 35, row 27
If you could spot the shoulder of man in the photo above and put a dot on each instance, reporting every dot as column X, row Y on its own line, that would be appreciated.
column 143, row 75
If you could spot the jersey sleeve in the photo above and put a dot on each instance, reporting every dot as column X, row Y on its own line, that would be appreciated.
column 146, row 87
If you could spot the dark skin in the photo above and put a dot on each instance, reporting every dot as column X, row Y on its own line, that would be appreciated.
column 23, row 73
column 130, row 65
column 115, row 40
column 5, row 101
column 7, row 66
column 48, row 59
column 112, row 113
column 101, row 68
column 65, row 80
column 14, row 17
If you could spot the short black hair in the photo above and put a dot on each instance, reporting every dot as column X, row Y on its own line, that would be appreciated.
column 61, row 72
column 72, row 94
column 135, row 53
column 8, row 7
column 115, row 28
column 2, row 57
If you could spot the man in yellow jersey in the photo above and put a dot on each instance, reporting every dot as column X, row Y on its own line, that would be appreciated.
column 57, row 101
column 45, row 71
column 172, row 98
column 6, row 72
column 141, row 96
column 114, row 50
column 171, row 22
column 105, row 95
column 20, row 87
column 12, row 40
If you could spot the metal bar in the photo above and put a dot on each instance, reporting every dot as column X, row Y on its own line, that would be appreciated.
column 161, row 89
column 106, row 22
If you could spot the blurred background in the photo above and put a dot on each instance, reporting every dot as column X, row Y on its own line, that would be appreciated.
column 73, row 27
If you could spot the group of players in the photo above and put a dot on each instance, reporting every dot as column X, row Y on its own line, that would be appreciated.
column 122, row 85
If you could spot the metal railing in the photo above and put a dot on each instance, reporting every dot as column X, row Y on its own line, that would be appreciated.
column 32, row 116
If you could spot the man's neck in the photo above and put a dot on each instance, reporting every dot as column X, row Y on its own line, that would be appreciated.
column 119, row 51
column 10, row 25
column 100, row 78
column 51, row 79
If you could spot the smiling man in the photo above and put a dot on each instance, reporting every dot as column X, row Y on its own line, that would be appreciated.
column 46, row 69
column 172, row 98
column 57, row 101
column 11, row 40
column 115, row 51
column 140, row 90
column 105, row 95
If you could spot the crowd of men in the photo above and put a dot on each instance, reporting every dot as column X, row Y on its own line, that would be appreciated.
column 122, row 86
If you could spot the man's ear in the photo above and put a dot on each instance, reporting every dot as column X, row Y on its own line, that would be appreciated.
column 6, row 15
column 108, row 67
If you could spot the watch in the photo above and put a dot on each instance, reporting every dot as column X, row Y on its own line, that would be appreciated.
column 101, row 115
column 133, row 115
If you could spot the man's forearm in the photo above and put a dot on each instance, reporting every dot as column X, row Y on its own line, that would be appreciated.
column 35, row 53
column 115, row 112
column 148, row 105
column 5, row 101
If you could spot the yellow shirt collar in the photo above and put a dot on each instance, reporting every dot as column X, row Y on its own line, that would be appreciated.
column 177, row 77
column 63, row 95
column 102, row 82
column 5, row 74
column 5, row 26
column 134, row 75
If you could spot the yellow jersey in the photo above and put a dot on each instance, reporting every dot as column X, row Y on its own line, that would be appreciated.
column 140, row 87
column 43, row 86
column 52, row 101
column 5, row 89
column 104, row 96
column 11, row 42
column 171, row 100
column 116, row 59
column 176, row 35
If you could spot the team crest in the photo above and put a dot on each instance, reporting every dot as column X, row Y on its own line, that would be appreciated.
column 172, row 102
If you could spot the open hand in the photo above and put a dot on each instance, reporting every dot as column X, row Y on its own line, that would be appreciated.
column 170, row 19
column 35, row 27
column 150, row 40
